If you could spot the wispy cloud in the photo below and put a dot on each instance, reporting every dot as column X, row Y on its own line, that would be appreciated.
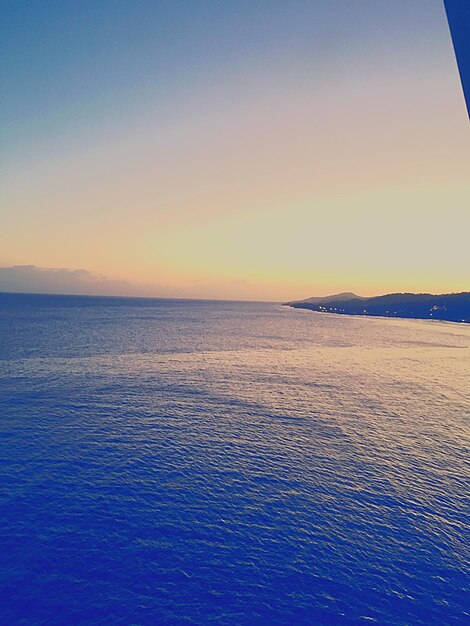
column 33, row 279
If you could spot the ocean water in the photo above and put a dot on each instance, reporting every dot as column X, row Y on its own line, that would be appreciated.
column 184, row 462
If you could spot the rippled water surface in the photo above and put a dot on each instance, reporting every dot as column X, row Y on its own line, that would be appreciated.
column 177, row 462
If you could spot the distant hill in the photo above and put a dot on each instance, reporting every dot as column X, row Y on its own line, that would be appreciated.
column 347, row 295
column 452, row 307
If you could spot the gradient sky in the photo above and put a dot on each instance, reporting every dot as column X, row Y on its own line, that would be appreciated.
column 232, row 149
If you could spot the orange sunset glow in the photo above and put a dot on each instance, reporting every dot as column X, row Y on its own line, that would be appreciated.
column 253, row 175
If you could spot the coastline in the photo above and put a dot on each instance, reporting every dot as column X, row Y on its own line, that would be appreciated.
column 376, row 316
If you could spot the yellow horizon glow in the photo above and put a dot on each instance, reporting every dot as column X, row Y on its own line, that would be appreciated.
column 274, row 195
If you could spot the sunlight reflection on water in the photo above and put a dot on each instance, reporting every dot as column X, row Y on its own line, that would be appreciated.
column 231, row 463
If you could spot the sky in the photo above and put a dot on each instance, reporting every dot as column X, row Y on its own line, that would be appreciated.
column 247, row 149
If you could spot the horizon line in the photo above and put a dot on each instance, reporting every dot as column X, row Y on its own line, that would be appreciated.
column 282, row 302
column 110, row 296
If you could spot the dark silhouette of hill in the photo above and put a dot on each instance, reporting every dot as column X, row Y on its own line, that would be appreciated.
column 347, row 295
column 452, row 307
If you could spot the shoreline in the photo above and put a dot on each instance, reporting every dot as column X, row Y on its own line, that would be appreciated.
column 385, row 317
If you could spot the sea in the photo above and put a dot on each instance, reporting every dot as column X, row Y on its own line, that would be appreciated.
column 200, row 462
